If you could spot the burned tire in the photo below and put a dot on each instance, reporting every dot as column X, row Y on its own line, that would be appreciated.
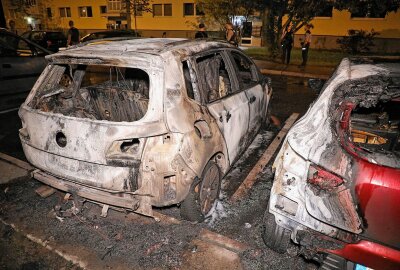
column 275, row 237
column 202, row 194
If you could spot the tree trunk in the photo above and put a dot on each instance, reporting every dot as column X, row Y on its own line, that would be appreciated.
column 265, row 28
column 134, row 13
column 128, row 14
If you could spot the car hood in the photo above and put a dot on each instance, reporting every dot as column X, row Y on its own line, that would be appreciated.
column 312, row 136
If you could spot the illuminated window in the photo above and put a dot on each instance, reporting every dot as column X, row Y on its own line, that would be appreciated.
column 85, row 12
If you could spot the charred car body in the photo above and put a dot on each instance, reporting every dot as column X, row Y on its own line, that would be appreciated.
column 142, row 123
column 337, row 175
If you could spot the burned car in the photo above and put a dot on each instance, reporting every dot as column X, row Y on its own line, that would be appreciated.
column 336, row 190
column 145, row 122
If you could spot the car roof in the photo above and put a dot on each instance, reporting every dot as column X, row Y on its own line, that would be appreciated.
column 154, row 46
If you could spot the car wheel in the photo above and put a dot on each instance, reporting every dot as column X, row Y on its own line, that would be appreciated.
column 202, row 194
column 275, row 237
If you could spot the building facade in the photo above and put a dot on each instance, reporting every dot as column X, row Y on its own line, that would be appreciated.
column 179, row 18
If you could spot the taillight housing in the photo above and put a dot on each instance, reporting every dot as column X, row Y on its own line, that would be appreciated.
column 323, row 179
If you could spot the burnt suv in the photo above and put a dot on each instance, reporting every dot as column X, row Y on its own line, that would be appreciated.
column 143, row 123
column 337, row 176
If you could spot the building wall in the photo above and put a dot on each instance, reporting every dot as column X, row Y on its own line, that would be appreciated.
column 325, row 32
column 341, row 22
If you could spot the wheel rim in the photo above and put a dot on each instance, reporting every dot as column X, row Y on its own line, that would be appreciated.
column 209, row 188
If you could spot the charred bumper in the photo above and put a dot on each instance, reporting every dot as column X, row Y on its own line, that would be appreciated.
column 127, row 200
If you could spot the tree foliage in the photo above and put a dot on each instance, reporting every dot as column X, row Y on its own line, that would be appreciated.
column 357, row 41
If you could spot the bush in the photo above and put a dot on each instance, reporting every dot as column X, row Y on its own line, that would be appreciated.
column 357, row 41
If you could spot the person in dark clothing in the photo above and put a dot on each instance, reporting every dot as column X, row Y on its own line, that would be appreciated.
column 287, row 44
column 73, row 35
column 202, row 32
column 305, row 44
column 230, row 35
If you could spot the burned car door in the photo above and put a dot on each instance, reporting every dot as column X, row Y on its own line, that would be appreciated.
column 21, row 64
column 247, row 76
column 226, row 104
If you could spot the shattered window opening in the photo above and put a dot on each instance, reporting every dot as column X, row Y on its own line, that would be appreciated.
column 374, row 121
column 96, row 92
column 213, row 77
column 245, row 69
column 377, row 128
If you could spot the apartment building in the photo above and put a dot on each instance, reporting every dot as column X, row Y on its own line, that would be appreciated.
column 179, row 18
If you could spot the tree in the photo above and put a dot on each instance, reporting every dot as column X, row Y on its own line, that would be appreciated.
column 219, row 11
column 278, row 14
column 299, row 13
column 138, row 7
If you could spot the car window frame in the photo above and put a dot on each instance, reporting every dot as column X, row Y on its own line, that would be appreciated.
column 200, row 87
column 254, row 70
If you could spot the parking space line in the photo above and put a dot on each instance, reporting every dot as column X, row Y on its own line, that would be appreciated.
column 251, row 178
column 45, row 243
column 16, row 162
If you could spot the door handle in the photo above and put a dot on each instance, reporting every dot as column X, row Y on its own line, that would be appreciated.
column 228, row 116
column 252, row 99
column 6, row 65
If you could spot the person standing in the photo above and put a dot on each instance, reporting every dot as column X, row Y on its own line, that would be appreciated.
column 73, row 34
column 11, row 24
column 305, row 44
column 287, row 44
column 202, row 32
column 230, row 35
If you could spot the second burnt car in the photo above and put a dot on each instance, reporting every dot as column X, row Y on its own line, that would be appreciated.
column 336, row 191
column 143, row 122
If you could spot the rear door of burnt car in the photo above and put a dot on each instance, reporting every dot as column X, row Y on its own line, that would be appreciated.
column 248, row 81
column 226, row 103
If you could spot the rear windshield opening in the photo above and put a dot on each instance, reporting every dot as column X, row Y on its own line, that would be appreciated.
column 376, row 129
column 94, row 91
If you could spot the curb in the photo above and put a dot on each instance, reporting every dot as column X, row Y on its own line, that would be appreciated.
column 294, row 74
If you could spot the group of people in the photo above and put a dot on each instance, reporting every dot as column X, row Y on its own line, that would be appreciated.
column 287, row 40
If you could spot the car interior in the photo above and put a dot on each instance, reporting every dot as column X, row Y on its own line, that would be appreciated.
column 94, row 91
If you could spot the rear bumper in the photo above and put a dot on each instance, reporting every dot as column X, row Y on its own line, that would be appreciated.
column 370, row 254
column 87, row 173
column 139, row 203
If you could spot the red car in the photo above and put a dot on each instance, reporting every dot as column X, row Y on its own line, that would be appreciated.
column 336, row 191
